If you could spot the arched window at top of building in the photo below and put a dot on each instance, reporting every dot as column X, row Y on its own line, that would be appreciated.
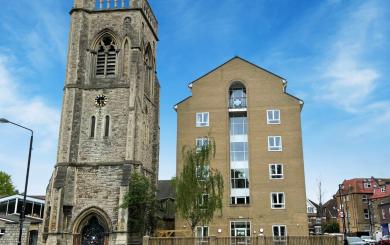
column 237, row 96
column 106, row 60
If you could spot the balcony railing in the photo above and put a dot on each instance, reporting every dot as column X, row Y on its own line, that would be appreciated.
column 237, row 102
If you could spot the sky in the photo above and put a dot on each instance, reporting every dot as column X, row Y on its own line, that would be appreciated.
column 335, row 55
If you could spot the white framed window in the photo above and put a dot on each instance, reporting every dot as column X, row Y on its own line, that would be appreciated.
column 279, row 232
column 201, row 142
column 274, row 143
column 202, row 119
column 202, row 172
column 204, row 199
column 273, row 116
column 367, row 184
column 239, row 178
column 276, row 171
column 310, row 210
column 365, row 199
column 240, row 229
column 240, row 200
column 278, row 200
column 202, row 231
column 383, row 189
column 366, row 213
column 238, row 151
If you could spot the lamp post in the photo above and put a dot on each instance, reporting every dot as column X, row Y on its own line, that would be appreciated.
column 22, row 214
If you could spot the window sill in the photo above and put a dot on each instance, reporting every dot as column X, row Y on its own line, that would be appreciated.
column 240, row 205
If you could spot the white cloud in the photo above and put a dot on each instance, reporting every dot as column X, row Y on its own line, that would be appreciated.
column 348, row 80
column 19, row 106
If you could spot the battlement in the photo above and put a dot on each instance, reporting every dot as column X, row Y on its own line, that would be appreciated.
column 104, row 5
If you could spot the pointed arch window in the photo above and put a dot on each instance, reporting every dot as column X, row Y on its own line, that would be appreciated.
column 106, row 59
column 107, row 126
column 93, row 126
column 148, row 86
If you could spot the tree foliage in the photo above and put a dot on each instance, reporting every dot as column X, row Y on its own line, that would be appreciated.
column 6, row 186
column 199, row 189
column 141, row 203
column 331, row 228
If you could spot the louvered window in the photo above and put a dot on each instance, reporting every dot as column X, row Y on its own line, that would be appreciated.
column 106, row 58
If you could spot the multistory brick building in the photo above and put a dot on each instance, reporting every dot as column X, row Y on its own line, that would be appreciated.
column 256, row 127
column 358, row 202
column 109, row 122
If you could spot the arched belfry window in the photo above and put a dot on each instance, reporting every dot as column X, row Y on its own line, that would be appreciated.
column 237, row 96
column 106, row 57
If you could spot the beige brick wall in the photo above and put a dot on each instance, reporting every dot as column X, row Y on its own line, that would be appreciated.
column 264, row 91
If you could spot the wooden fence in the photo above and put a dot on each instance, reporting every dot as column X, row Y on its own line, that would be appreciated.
column 261, row 240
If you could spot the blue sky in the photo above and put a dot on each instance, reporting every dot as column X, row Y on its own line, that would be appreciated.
column 334, row 54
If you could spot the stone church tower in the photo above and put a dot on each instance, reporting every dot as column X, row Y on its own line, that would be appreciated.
column 109, row 122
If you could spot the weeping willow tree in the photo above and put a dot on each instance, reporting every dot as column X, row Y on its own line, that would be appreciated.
column 199, row 189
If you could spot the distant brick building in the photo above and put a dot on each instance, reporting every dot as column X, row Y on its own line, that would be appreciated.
column 358, row 202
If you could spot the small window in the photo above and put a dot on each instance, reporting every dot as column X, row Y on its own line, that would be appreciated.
column 383, row 189
column 2, row 231
column 93, row 126
column 367, row 184
column 366, row 214
column 202, row 119
column 274, row 143
column 201, row 143
column 365, row 199
column 107, row 127
column 202, row 172
column 276, row 171
column 240, row 200
column 273, row 116
column 310, row 210
column 279, row 232
column 204, row 200
column 384, row 213
column 277, row 200
column 202, row 231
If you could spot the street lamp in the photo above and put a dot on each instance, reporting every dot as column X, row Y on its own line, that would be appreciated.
column 22, row 214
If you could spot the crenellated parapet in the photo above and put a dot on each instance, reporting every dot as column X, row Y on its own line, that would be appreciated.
column 104, row 5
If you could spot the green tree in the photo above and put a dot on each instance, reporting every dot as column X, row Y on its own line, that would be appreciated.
column 331, row 227
column 141, row 203
column 6, row 186
column 199, row 189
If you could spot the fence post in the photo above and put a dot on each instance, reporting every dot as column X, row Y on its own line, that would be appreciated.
column 145, row 240
column 212, row 240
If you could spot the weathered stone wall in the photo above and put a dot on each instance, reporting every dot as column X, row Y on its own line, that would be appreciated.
column 11, row 235
column 92, row 173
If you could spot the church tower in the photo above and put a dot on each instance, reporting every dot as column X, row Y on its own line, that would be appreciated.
column 109, row 123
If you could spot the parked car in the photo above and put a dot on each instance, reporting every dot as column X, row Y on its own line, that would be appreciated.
column 385, row 240
column 352, row 240
column 368, row 240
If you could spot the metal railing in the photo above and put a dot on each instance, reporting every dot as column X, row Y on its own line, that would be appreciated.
column 237, row 102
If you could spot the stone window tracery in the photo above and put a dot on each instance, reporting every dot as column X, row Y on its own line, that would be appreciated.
column 106, row 57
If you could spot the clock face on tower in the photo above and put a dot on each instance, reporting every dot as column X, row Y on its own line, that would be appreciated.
column 100, row 100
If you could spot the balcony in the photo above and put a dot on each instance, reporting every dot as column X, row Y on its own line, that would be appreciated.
column 237, row 103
